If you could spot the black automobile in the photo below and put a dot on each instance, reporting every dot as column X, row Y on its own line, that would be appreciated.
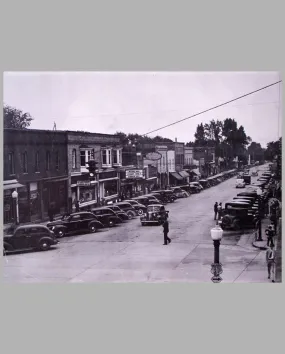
column 127, row 208
column 154, row 215
column 167, row 195
column 139, row 208
column 204, row 183
column 107, row 216
column 75, row 223
column 237, row 216
column 162, row 199
column 119, row 212
column 147, row 200
column 37, row 237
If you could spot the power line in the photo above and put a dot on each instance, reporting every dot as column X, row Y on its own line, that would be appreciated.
column 210, row 109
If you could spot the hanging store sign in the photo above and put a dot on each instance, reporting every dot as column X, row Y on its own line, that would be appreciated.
column 154, row 156
column 135, row 174
column 84, row 183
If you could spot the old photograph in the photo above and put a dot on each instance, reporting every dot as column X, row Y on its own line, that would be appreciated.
column 144, row 177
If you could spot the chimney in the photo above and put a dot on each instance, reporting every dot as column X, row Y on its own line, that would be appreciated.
column 176, row 140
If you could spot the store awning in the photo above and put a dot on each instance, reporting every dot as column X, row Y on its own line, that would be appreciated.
column 12, row 186
column 184, row 174
column 176, row 175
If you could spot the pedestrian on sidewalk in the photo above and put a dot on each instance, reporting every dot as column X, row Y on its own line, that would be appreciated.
column 220, row 208
column 51, row 212
column 165, row 226
column 215, row 210
column 273, row 219
column 270, row 236
column 77, row 206
column 271, row 266
column 266, row 209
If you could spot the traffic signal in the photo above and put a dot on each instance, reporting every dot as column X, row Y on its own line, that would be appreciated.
column 92, row 167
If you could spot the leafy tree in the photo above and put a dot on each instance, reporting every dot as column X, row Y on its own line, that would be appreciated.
column 256, row 152
column 273, row 149
column 15, row 118
column 200, row 136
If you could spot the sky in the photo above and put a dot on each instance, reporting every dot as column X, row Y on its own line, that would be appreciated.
column 139, row 102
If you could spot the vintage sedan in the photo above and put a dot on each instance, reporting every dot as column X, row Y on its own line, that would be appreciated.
column 139, row 208
column 37, row 237
column 237, row 216
column 180, row 193
column 75, row 223
column 154, row 215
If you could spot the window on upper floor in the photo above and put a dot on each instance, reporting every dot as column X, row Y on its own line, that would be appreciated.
column 25, row 162
column 117, row 156
column 85, row 156
column 57, row 160
column 47, row 160
column 11, row 163
column 37, row 162
column 106, row 157
column 74, row 158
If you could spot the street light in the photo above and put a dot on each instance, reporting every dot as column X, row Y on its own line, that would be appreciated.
column 16, row 206
column 216, row 267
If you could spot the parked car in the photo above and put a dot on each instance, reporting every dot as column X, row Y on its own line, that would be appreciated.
column 204, row 183
column 35, row 236
column 197, row 184
column 236, row 217
column 247, row 178
column 139, row 208
column 74, row 223
column 127, row 208
column 240, row 183
column 180, row 193
column 106, row 216
column 153, row 215
column 119, row 212
column 146, row 200
column 254, row 173
column 167, row 195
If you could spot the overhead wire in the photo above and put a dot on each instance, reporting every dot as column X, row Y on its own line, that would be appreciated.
column 212, row 108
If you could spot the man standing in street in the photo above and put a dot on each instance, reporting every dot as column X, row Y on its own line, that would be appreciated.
column 215, row 210
column 270, row 234
column 165, row 226
column 270, row 259
column 220, row 211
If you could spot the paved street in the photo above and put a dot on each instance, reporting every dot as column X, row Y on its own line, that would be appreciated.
column 132, row 253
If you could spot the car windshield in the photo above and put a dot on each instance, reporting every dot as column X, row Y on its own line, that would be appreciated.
column 115, row 208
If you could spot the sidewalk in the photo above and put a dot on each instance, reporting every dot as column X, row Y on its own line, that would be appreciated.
column 262, row 245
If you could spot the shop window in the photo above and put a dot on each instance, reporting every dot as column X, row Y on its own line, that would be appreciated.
column 25, row 162
column 57, row 160
column 74, row 158
column 110, row 188
column 107, row 157
column 11, row 163
column 37, row 162
column 47, row 160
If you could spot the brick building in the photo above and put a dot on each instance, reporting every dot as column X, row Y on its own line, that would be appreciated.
column 106, row 150
column 35, row 165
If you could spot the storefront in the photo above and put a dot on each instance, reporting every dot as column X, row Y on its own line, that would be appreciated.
column 175, row 179
column 185, row 176
column 9, row 210
column 132, row 183
column 35, row 202
column 54, row 193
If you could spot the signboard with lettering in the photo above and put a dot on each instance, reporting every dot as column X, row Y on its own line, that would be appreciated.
column 135, row 174
column 83, row 183
column 154, row 156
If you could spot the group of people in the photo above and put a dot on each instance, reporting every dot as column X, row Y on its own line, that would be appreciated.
column 218, row 208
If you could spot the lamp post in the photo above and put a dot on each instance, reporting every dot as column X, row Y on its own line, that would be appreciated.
column 16, row 206
column 259, row 192
column 216, row 267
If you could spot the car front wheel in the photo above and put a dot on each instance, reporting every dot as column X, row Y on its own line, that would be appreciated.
column 130, row 215
column 44, row 245
column 140, row 211
column 92, row 228
column 60, row 233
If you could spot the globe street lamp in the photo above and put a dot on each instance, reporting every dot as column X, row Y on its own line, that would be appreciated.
column 16, row 206
column 216, row 267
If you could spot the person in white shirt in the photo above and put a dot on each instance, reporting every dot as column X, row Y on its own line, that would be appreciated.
column 270, row 259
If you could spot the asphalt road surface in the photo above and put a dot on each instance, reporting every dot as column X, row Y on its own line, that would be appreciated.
column 134, row 253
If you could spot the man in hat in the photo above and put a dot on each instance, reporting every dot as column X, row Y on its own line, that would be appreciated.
column 165, row 226
column 215, row 210
column 270, row 259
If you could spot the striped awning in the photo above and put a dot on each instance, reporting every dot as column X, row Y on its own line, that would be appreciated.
column 12, row 186
column 176, row 175
column 184, row 174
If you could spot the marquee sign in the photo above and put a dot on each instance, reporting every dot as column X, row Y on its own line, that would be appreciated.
column 135, row 174
column 154, row 156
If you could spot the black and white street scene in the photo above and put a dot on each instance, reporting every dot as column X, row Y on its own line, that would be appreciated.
column 142, row 177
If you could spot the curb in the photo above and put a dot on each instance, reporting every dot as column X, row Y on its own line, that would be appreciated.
column 262, row 248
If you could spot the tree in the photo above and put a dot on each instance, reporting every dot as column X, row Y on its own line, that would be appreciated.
column 200, row 136
column 273, row 149
column 15, row 118
column 256, row 152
